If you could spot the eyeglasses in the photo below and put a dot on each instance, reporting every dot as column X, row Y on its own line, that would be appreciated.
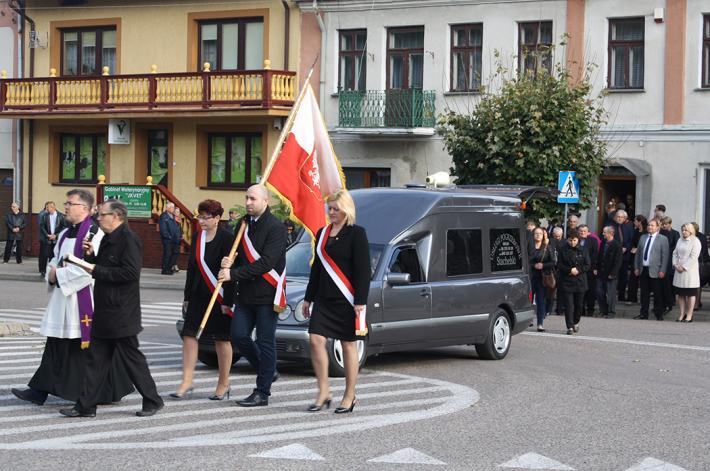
column 205, row 218
column 69, row 203
column 106, row 214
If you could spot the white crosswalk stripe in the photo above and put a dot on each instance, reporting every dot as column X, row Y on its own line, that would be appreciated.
column 153, row 314
column 383, row 399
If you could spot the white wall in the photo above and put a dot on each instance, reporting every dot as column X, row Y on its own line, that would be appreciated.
column 7, row 41
column 697, row 102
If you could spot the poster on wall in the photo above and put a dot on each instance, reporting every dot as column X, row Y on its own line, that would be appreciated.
column 136, row 198
column 119, row 131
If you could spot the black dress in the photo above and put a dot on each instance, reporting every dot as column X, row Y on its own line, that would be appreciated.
column 333, row 316
column 198, row 293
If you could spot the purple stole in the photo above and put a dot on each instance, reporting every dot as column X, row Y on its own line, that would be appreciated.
column 86, row 305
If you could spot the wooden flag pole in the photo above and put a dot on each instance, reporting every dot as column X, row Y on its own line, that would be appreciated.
column 238, row 239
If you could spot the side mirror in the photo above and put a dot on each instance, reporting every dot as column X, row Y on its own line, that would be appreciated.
column 396, row 279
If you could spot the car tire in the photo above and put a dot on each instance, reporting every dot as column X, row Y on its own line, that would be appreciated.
column 335, row 356
column 497, row 342
column 210, row 358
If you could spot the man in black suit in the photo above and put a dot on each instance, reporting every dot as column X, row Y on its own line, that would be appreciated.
column 624, row 233
column 608, row 265
column 255, row 298
column 590, row 246
column 649, row 265
column 117, row 313
column 673, row 236
column 51, row 223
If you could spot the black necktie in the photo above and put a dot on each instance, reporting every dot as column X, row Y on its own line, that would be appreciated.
column 647, row 249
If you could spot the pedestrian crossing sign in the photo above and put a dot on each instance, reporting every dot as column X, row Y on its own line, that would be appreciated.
column 568, row 186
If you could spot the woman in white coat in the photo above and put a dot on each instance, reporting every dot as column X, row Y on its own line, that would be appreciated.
column 686, row 280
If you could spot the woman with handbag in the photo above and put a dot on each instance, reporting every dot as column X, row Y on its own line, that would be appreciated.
column 686, row 280
column 542, row 265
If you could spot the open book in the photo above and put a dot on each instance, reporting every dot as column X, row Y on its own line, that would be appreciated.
column 71, row 258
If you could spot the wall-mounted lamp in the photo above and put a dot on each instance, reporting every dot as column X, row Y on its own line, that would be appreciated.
column 658, row 15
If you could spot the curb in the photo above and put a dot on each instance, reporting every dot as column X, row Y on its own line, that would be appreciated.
column 145, row 284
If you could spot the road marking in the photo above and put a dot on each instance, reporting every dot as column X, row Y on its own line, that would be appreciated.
column 383, row 402
column 652, row 464
column 534, row 461
column 295, row 451
column 623, row 341
column 407, row 456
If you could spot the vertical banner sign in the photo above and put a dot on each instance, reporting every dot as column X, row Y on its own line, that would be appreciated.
column 119, row 131
column 136, row 198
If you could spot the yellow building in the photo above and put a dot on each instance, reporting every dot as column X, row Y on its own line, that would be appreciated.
column 198, row 90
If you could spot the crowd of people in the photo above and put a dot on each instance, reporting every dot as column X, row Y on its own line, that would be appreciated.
column 630, row 261
column 93, row 319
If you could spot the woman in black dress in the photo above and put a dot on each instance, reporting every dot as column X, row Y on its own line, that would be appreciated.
column 335, row 309
column 209, row 245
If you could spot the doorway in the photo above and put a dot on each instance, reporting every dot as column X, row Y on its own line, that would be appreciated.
column 618, row 184
column 158, row 156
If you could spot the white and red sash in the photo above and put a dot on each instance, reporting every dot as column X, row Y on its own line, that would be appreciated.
column 272, row 277
column 207, row 275
column 340, row 280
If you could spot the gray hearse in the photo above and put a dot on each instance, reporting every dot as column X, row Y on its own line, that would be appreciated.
column 449, row 268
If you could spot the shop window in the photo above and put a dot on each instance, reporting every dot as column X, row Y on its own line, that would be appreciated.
column 234, row 159
column 82, row 158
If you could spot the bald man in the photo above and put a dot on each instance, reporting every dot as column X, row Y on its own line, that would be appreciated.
column 256, row 296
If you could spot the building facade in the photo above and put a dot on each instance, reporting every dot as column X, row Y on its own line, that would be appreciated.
column 8, row 130
column 190, row 94
column 389, row 67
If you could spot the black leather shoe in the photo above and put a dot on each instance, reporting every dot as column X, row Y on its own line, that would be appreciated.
column 74, row 412
column 275, row 377
column 641, row 317
column 149, row 411
column 30, row 395
column 255, row 399
column 346, row 410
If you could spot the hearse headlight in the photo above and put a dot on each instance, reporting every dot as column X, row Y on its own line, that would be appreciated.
column 283, row 315
column 298, row 313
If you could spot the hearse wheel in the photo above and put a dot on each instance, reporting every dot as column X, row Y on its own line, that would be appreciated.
column 334, row 348
column 497, row 342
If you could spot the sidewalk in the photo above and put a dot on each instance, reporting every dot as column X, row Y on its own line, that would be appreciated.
column 150, row 277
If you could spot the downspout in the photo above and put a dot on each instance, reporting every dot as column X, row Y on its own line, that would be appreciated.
column 323, row 43
column 287, row 27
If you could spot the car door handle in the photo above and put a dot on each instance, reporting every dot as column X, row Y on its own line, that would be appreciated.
column 424, row 293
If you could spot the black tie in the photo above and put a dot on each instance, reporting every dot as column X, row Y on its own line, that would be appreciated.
column 648, row 247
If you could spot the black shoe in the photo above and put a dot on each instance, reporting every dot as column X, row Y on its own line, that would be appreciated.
column 317, row 408
column 255, row 399
column 641, row 316
column 30, row 395
column 74, row 412
column 346, row 410
column 147, row 412
column 275, row 377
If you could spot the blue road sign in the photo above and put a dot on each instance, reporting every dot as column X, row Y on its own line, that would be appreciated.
column 568, row 185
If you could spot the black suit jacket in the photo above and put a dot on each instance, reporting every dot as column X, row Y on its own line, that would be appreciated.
column 220, row 247
column 609, row 261
column 268, row 235
column 592, row 249
column 117, row 305
column 45, row 228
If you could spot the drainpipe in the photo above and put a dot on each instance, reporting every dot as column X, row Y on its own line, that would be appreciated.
column 287, row 27
column 323, row 43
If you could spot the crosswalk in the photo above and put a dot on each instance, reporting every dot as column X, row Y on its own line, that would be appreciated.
column 383, row 399
column 153, row 314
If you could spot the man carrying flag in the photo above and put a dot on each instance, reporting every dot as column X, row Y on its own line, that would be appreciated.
column 69, row 314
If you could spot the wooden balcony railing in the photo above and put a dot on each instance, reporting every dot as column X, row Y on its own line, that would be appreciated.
column 159, row 92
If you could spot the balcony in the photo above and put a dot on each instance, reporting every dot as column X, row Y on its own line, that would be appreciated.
column 386, row 111
column 172, row 92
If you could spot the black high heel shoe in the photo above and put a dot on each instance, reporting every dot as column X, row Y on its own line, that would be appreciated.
column 317, row 408
column 220, row 397
column 346, row 410
column 184, row 395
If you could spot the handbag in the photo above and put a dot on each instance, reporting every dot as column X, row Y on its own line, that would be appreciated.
column 548, row 280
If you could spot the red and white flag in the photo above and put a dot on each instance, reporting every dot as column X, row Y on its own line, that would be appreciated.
column 307, row 170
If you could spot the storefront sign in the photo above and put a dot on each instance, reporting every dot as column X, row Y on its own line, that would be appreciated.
column 119, row 131
column 136, row 198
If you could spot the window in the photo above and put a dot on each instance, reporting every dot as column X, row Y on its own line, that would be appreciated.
column 706, row 52
column 534, row 47
column 367, row 177
column 505, row 250
column 82, row 158
column 86, row 51
column 158, row 156
column 234, row 159
column 464, row 252
column 406, row 260
column 353, row 63
column 232, row 44
column 405, row 58
column 626, row 53
column 466, row 46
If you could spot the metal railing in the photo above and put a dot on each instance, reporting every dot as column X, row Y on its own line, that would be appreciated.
column 173, row 91
column 386, row 109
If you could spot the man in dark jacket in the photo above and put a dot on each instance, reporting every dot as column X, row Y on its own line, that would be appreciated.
column 590, row 246
column 624, row 233
column 608, row 265
column 257, row 296
column 673, row 236
column 15, row 224
column 168, row 226
column 117, row 313
column 51, row 223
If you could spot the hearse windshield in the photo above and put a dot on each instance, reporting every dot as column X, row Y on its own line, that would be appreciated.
column 298, row 258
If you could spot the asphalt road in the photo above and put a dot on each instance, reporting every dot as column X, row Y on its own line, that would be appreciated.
column 621, row 395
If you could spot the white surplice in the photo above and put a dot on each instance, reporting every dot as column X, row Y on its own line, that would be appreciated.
column 61, row 318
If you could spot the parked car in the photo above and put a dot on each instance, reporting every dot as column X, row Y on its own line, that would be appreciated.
column 449, row 267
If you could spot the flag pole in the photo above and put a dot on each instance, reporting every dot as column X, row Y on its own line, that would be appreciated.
column 287, row 127
column 274, row 155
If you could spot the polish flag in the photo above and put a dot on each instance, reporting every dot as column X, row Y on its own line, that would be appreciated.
column 307, row 170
